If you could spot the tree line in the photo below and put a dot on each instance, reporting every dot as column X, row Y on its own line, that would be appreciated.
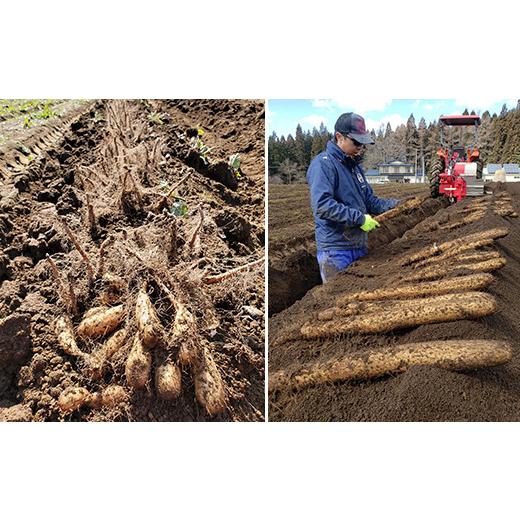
column 498, row 141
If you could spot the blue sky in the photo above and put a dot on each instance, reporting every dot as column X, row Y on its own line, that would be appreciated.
column 284, row 114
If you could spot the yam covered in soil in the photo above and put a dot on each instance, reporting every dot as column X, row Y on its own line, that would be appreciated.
column 451, row 245
column 66, row 339
column 433, row 271
column 437, row 309
column 451, row 355
column 148, row 324
column 184, row 333
column 168, row 381
column 461, row 283
column 209, row 386
column 138, row 365
column 101, row 321
column 73, row 398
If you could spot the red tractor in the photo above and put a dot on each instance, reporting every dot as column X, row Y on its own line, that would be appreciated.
column 456, row 172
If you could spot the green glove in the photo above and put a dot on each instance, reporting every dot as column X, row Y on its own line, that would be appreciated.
column 369, row 224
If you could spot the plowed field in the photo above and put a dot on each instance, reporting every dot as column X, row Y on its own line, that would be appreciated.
column 131, row 271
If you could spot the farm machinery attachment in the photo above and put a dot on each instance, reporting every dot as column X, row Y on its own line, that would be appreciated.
column 456, row 172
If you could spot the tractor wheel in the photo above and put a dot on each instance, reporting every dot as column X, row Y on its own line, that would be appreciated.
column 435, row 176
column 480, row 167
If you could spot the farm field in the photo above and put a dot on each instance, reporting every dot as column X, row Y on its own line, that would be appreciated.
column 293, row 269
column 425, row 328
column 131, row 271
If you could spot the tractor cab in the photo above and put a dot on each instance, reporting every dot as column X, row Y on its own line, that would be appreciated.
column 457, row 171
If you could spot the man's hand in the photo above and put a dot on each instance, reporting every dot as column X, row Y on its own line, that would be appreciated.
column 369, row 224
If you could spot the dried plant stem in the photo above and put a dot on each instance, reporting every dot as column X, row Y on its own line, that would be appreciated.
column 172, row 242
column 101, row 259
column 90, row 271
column 220, row 277
column 91, row 219
column 63, row 293
column 72, row 296
column 450, row 355
column 196, row 231
column 175, row 186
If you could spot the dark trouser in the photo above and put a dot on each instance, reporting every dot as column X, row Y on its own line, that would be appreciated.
column 333, row 261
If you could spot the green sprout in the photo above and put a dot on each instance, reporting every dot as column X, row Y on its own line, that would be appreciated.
column 198, row 145
column 47, row 112
column 234, row 164
column 179, row 208
column 155, row 118
column 27, row 123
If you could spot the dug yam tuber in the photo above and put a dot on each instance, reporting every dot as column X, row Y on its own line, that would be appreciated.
column 138, row 365
column 451, row 355
column 102, row 322
column 168, row 381
column 148, row 324
column 209, row 387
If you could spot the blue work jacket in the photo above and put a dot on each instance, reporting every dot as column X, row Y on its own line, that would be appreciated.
column 340, row 198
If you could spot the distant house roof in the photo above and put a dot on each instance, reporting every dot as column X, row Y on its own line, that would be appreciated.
column 372, row 171
column 492, row 168
column 395, row 163
column 511, row 168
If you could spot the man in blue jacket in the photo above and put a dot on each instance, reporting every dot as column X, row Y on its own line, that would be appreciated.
column 341, row 198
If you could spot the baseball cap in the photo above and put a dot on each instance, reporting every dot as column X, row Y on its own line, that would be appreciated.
column 353, row 125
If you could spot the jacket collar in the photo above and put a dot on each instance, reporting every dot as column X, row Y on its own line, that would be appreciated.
column 336, row 152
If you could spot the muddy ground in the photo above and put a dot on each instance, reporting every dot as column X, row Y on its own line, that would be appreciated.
column 422, row 393
column 121, row 196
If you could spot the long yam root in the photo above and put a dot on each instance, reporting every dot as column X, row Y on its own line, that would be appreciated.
column 469, row 219
column 462, row 283
column 450, row 355
column 433, row 272
column 455, row 251
column 439, row 309
column 451, row 244
column 358, row 308
column 401, row 208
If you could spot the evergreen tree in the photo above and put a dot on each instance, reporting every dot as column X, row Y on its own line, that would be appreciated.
column 411, row 140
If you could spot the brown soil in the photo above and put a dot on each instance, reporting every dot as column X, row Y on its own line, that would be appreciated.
column 422, row 393
column 114, row 161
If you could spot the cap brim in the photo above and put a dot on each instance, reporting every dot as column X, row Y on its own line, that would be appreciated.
column 362, row 138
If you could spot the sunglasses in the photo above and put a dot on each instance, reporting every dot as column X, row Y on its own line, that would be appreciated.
column 356, row 143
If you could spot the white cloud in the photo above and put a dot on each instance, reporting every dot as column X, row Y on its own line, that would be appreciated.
column 322, row 103
column 353, row 104
column 394, row 119
column 311, row 121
